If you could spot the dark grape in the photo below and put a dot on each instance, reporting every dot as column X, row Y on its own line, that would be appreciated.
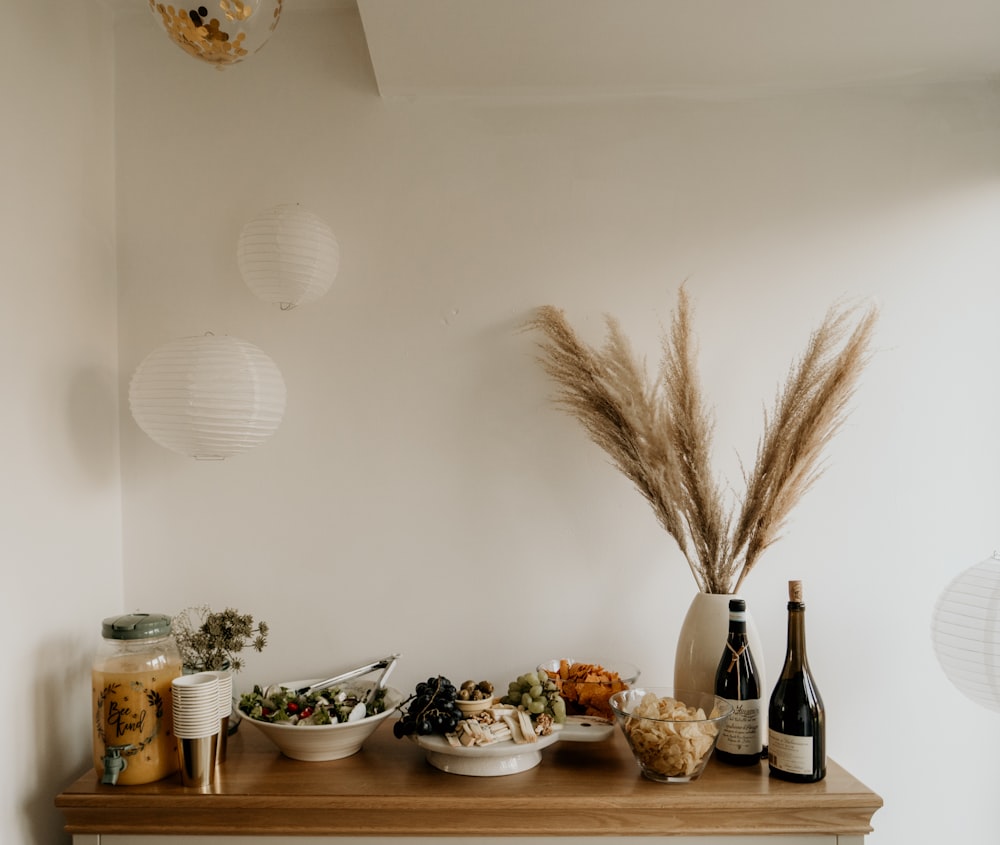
column 430, row 710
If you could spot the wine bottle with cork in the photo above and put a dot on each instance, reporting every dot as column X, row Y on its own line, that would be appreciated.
column 796, row 717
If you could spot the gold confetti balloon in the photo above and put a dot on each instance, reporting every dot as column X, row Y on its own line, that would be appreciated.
column 219, row 32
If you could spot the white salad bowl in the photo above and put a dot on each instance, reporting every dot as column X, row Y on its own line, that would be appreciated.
column 314, row 743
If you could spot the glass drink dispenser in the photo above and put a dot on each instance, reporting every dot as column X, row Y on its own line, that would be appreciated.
column 132, row 701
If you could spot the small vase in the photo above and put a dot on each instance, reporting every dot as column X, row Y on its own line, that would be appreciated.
column 702, row 639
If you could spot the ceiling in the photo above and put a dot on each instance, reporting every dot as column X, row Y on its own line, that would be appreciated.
column 680, row 48
column 692, row 48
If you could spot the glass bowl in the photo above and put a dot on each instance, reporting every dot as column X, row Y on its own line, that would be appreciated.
column 672, row 733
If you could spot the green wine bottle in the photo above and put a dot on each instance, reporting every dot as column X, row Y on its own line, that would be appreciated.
column 796, row 717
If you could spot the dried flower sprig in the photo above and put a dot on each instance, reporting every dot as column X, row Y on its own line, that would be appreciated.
column 659, row 433
column 210, row 640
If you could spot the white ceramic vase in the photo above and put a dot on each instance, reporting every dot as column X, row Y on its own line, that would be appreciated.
column 702, row 639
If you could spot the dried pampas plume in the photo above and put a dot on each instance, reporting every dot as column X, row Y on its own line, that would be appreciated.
column 659, row 432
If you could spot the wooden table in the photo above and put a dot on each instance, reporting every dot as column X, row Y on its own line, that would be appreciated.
column 389, row 790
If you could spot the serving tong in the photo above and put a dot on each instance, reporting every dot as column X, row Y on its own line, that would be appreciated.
column 386, row 664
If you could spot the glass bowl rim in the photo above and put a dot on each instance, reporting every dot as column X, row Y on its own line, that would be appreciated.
column 669, row 692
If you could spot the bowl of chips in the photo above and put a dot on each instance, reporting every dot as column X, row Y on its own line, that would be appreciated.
column 672, row 733
column 587, row 686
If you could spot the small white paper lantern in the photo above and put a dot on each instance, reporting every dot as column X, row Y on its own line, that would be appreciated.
column 208, row 397
column 288, row 255
column 966, row 632
column 219, row 32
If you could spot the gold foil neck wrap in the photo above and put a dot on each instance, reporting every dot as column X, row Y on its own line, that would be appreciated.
column 795, row 591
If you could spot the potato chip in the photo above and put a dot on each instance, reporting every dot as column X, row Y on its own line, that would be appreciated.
column 670, row 748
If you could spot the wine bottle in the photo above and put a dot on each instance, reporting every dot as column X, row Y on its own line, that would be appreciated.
column 796, row 718
column 741, row 741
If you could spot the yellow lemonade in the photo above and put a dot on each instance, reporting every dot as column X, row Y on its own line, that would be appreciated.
column 133, row 717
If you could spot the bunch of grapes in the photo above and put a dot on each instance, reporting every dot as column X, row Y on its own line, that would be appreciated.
column 430, row 710
column 537, row 693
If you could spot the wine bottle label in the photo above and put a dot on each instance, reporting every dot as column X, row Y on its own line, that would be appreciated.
column 792, row 754
column 742, row 733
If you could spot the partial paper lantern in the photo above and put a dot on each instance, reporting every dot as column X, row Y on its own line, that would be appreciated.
column 966, row 632
column 220, row 32
column 288, row 255
column 208, row 397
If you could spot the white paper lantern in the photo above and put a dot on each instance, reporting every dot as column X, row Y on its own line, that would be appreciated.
column 288, row 255
column 219, row 32
column 966, row 632
column 208, row 397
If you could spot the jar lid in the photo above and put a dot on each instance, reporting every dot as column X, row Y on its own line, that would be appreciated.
column 135, row 626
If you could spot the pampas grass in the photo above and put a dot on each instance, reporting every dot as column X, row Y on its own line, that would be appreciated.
column 659, row 432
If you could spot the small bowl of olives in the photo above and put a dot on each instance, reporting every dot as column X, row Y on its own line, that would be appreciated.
column 474, row 697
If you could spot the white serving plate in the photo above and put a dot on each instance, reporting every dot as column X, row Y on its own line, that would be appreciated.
column 500, row 758
column 586, row 729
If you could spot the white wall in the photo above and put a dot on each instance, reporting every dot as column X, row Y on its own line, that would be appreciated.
column 60, row 501
column 423, row 495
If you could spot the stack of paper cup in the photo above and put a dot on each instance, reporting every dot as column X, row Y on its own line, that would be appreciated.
column 196, row 726
column 225, row 709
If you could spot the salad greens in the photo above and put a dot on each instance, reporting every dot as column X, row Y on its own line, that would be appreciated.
column 320, row 707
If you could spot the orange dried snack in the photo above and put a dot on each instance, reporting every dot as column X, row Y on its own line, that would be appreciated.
column 564, row 668
column 587, row 688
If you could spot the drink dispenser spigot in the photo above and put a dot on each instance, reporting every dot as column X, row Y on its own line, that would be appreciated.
column 132, row 700
column 114, row 763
